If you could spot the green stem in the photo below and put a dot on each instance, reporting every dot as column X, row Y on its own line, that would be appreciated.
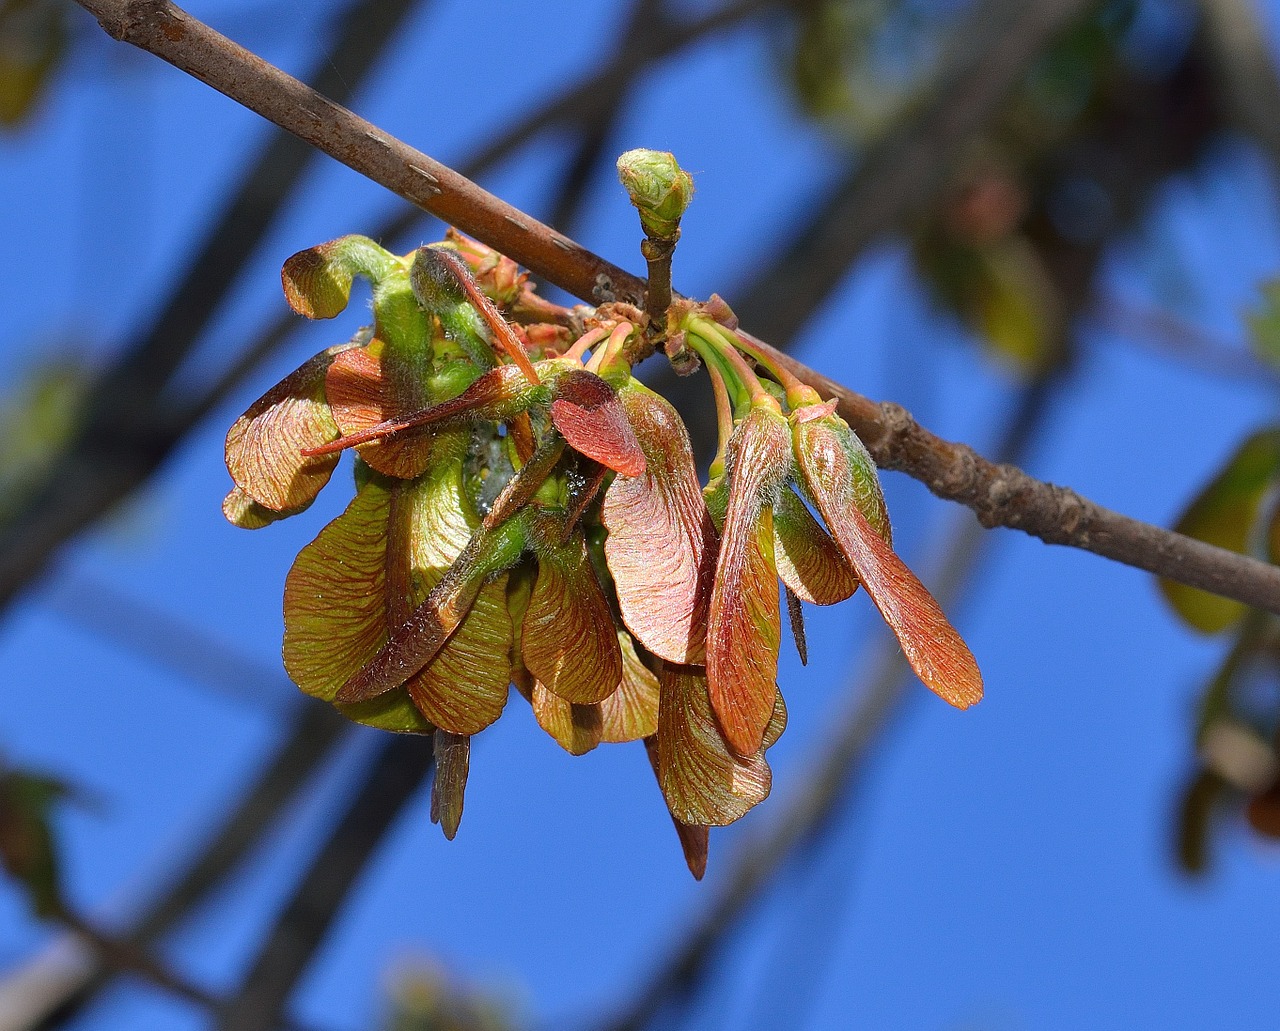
column 584, row 343
column 609, row 354
column 724, row 418
column 801, row 392
column 713, row 357
column 708, row 333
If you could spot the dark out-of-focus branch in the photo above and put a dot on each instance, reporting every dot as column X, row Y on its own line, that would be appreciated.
column 1001, row 495
column 56, row 984
column 119, row 436
column 1188, row 344
column 1246, row 68
column 645, row 30
column 586, row 102
column 394, row 775
column 1138, row 132
column 989, row 54
column 159, row 637
column 833, row 774
column 127, row 957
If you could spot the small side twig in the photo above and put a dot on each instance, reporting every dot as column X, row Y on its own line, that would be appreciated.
column 661, row 191
column 126, row 957
column 658, row 252
column 1166, row 334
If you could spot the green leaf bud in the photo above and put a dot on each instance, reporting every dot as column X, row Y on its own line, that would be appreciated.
column 659, row 188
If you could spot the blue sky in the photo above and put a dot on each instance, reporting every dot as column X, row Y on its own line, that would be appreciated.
column 1005, row 868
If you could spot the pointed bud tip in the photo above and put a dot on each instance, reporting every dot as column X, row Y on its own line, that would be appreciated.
column 658, row 187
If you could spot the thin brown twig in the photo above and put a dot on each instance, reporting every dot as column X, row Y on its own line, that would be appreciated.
column 192, row 46
column 126, row 957
column 658, row 252
column 1004, row 495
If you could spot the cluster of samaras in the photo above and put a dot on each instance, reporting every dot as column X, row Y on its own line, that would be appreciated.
column 527, row 513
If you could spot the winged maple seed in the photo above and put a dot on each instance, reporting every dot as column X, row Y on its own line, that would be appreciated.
column 526, row 513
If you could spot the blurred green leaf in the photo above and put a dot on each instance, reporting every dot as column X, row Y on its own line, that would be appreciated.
column 1264, row 324
column 998, row 286
column 1204, row 793
column 28, row 849
column 1017, row 310
column 33, row 40
column 1226, row 514
column 424, row 1000
column 858, row 64
column 36, row 420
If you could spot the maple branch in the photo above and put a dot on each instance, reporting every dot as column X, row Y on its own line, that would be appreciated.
column 1001, row 495
column 1004, row 495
